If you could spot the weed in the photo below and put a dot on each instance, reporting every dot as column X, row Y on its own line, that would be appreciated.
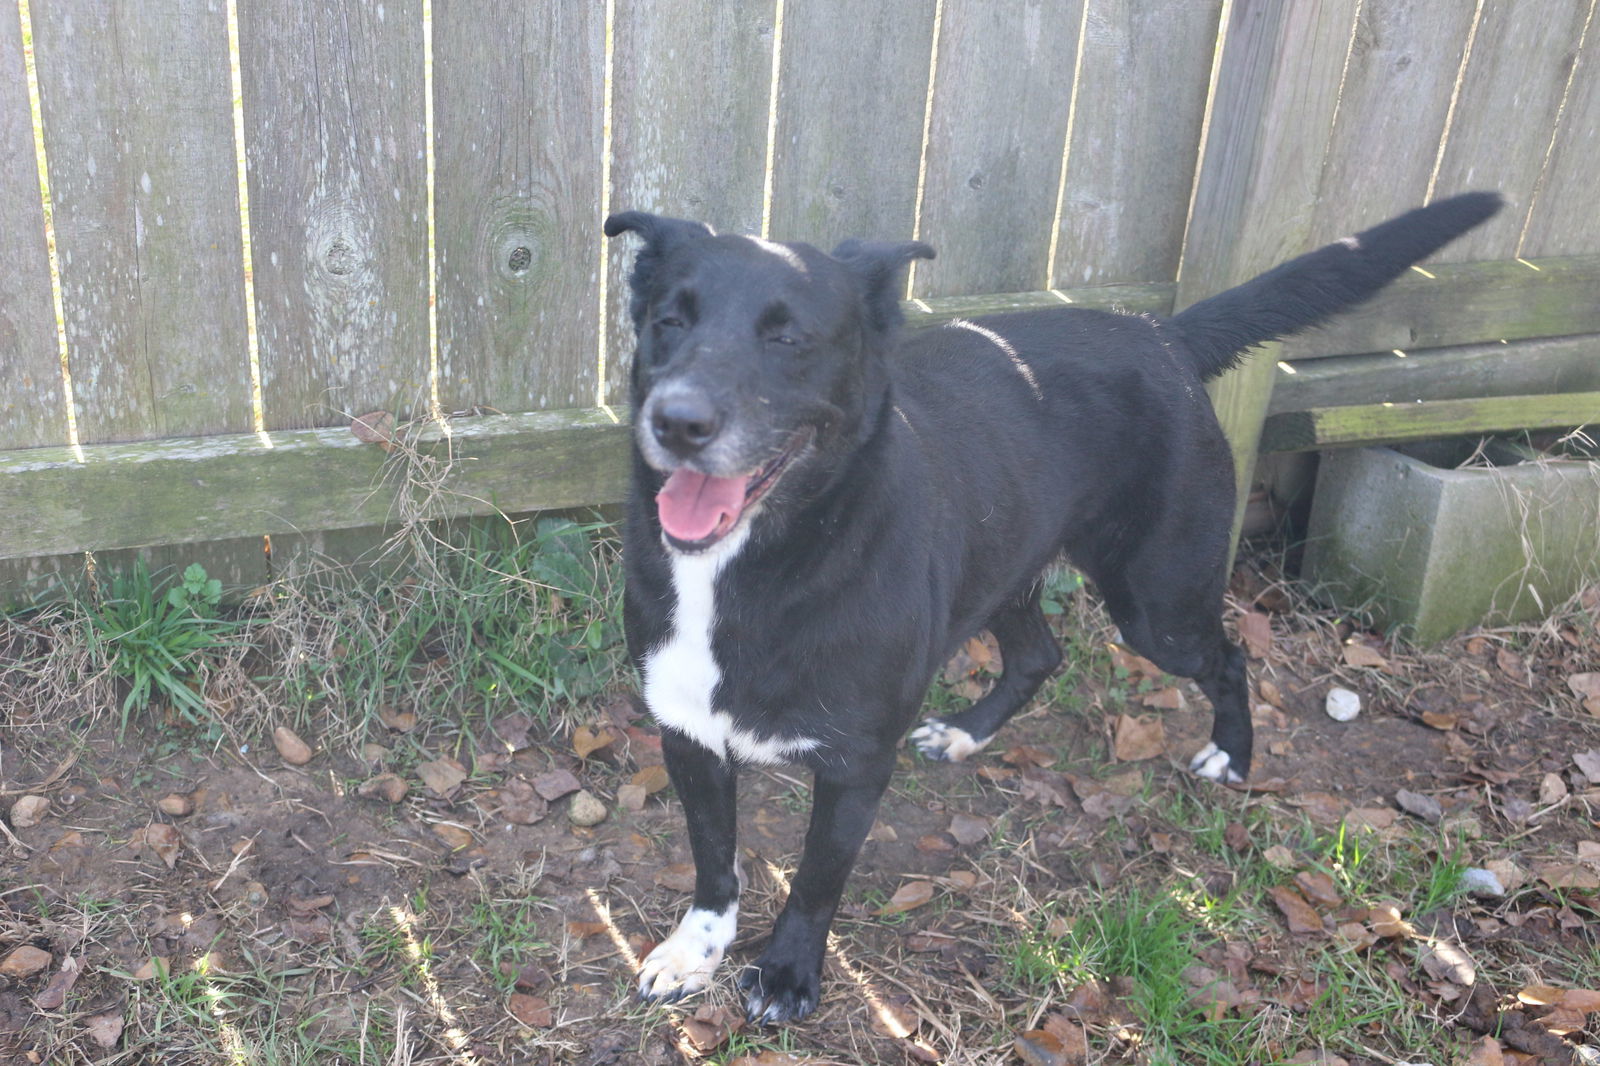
column 157, row 639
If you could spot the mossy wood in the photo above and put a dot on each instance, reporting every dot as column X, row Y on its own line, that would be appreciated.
column 1386, row 423
column 179, row 491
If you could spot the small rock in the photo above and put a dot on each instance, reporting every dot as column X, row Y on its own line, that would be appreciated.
column 1477, row 881
column 1425, row 807
column 24, row 961
column 391, row 788
column 586, row 809
column 1342, row 705
column 176, row 804
column 294, row 751
column 29, row 811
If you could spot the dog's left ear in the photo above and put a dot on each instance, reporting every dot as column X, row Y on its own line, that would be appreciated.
column 881, row 266
column 661, row 235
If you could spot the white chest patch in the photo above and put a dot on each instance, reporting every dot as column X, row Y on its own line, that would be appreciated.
column 681, row 675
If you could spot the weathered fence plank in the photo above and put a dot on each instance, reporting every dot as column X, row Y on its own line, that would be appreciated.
column 1565, row 218
column 183, row 490
column 32, row 408
column 1001, row 96
column 1505, row 113
column 690, row 87
column 1460, row 303
column 333, row 114
column 517, row 117
column 139, row 131
column 1131, row 162
column 1276, row 94
column 1394, row 96
column 1555, row 364
column 852, row 85
column 1388, row 423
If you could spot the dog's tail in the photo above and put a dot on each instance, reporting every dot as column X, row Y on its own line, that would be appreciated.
column 1307, row 290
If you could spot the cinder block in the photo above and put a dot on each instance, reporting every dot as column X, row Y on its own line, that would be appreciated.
column 1432, row 550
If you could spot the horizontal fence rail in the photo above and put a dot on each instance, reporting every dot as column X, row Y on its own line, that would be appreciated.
column 248, row 219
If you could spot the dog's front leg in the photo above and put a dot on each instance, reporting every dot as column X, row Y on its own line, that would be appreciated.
column 784, row 984
column 706, row 785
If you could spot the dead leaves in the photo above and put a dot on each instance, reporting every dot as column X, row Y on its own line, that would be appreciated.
column 908, row 896
column 1587, row 688
column 442, row 776
column 1138, row 739
column 1296, row 910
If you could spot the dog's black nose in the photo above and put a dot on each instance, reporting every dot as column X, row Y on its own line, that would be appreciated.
column 685, row 422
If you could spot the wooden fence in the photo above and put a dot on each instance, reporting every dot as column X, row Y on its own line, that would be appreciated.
column 227, row 225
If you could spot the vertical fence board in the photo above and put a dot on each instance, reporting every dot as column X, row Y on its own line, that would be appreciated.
column 1131, row 163
column 690, row 86
column 849, row 137
column 1274, row 106
column 1506, row 112
column 333, row 110
column 1403, row 66
column 139, row 130
column 1566, row 217
column 1000, row 101
column 517, row 91
column 32, row 408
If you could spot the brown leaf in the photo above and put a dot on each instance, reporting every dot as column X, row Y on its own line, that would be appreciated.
column 163, row 839
column 1588, row 763
column 454, row 836
column 1318, row 888
column 104, row 1029
column 1279, row 856
column 1139, row 738
column 175, row 804
column 374, row 427
column 520, row 804
column 1447, row 961
column 1237, row 837
column 1486, row 1052
column 1586, row 1000
column 678, row 877
column 1551, row 789
column 1270, row 692
column 555, row 784
column 24, row 961
column 399, row 721
column 1440, row 720
column 532, row 1011
column 652, row 779
column 55, row 993
column 1164, row 699
column 1255, row 629
column 1511, row 664
column 1385, row 920
column 1302, row 918
column 934, row 844
column 1040, row 1047
column 969, row 829
column 1364, row 656
column 391, row 788
column 1136, row 665
column 1355, row 936
column 909, row 896
column 706, row 1030
column 582, row 930
column 1425, row 807
column 1371, row 817
column 1022, row 755
column 291, row 748
column 1567, row 875
column 1074, row 1042
column 586, row 741
column 442, row 776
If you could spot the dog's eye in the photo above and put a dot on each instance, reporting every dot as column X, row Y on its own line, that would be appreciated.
column 670, row 322
column 787, row 340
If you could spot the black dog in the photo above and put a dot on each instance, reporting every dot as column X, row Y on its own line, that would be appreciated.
column 823, row 510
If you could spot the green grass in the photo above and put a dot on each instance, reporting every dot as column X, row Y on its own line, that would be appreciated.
column 506, row 935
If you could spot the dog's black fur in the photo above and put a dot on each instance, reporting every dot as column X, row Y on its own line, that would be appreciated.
column 921, row 484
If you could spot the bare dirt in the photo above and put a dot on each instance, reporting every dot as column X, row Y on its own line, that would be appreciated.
column 371, row 924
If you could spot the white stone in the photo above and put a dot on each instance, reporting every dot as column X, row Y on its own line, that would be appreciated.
column 1477, row 881
column 1342, row 705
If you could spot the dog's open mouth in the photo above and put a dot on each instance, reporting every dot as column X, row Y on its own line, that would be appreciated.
column 697, row 510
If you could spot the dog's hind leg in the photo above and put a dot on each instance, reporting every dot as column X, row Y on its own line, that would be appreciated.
column 1029, row 654
column 706, row 784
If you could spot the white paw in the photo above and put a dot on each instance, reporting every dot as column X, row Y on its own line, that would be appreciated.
column 682, row 964
column 940, row 740
column 1212, row 763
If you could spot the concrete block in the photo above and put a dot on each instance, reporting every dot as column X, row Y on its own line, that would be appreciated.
column 1432, row 550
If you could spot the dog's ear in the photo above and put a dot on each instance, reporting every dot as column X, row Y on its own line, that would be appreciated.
column 661, row 235
column 881, row 266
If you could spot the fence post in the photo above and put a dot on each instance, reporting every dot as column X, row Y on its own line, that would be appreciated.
column 1275, row 93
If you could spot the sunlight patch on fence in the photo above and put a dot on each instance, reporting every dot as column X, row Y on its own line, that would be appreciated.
column 1455, row 98
column 927, row 137
column 772, row 120
column 602, row 326
column 25, row 15
column 435, row 411
column 1579, row 54
column 258, row 408
column 1066, row 152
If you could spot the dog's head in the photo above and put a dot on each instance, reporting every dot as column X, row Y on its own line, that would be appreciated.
column 758, row 368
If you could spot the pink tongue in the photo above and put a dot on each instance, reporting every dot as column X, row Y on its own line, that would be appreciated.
column 693, row 505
